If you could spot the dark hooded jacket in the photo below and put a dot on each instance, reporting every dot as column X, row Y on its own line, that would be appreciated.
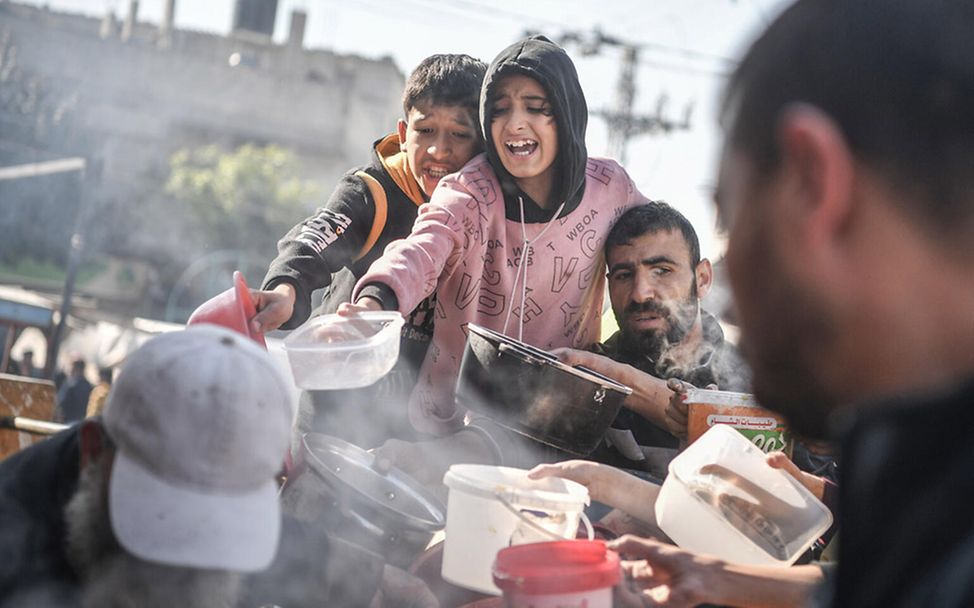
column 325, row 252
column 475, row 253
column 548, row 64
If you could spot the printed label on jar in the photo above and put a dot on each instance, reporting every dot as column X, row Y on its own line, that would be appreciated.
column 762, row 427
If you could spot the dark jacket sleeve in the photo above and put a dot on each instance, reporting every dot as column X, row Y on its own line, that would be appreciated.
column 35, row 485
column 322, row 244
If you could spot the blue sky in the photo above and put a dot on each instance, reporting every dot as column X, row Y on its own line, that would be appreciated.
column 687, row 45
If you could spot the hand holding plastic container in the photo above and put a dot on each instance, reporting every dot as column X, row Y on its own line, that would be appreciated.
column 491, row 507
column 722, row 498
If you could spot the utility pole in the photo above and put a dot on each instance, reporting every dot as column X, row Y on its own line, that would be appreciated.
column 621, row 126
column 87, row 177
column 622, row 121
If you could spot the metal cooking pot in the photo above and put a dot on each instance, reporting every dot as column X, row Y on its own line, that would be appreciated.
column 335, row 486
column 530, row 391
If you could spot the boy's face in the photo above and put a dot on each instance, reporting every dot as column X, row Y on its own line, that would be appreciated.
column 524, row 131
column 438, row 140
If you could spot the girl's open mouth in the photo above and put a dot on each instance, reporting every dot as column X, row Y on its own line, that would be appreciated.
column 522, row 147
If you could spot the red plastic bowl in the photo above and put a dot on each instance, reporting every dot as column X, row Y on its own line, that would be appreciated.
column 233, row 309
column 556, row 567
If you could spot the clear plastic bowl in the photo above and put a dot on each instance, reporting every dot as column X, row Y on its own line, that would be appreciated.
column 722, row 498
column 333, row 352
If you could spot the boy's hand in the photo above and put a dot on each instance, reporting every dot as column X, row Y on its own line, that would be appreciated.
column 813, row 483
column 594, row 476
column 274, row 307
column 363, row 304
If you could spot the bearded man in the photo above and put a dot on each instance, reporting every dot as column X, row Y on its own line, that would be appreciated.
column 847, row 193
column 656, row 280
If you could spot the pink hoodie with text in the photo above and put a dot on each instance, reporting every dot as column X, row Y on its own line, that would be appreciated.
column 465, row 248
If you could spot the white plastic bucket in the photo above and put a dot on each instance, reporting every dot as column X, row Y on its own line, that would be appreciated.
column 490, row 508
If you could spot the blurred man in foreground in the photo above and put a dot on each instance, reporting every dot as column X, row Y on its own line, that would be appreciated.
column 847, row 187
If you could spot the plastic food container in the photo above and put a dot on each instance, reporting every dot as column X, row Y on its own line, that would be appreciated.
column 530, row 391
column 764, row 428
column 490, row 508
column 722, row 498
column 334, row 352
column 557, row 574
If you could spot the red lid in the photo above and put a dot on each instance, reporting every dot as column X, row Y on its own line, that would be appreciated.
column 564, row 566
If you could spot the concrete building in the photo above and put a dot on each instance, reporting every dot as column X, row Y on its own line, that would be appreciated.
column 145, row 90
column 133, row 93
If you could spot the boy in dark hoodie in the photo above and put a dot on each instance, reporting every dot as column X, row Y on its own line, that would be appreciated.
column 370, row 207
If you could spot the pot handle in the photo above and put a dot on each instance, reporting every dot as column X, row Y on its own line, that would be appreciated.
column 519, row 354
column 589, row 530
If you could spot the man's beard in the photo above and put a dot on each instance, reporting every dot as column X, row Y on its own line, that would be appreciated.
column 785, row 335
column 114, row 578
column 784, row 373
column 678, row 318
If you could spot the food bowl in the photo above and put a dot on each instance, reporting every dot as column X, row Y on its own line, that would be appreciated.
column 530, row 391
column 233, row 309
column 335, row 352
column 721, row 497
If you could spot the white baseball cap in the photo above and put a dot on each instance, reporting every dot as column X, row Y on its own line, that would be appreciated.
column 200, row 419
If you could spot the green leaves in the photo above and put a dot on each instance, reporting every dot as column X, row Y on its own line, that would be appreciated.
column 243, row 199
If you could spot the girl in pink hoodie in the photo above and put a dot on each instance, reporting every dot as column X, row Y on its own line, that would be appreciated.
column 513, row 241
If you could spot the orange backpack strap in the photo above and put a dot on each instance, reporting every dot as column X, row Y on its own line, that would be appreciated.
column 381, row 212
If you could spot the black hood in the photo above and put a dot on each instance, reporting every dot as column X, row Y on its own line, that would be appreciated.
column 549, row 64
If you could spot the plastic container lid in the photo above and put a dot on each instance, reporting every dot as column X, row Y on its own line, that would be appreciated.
column 699, row 395
column 557, row 567
column 542, row 356
column 392, row 493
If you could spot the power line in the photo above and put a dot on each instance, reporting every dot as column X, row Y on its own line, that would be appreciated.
column 622, row 122
column 490, row 11
column 522, row 18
